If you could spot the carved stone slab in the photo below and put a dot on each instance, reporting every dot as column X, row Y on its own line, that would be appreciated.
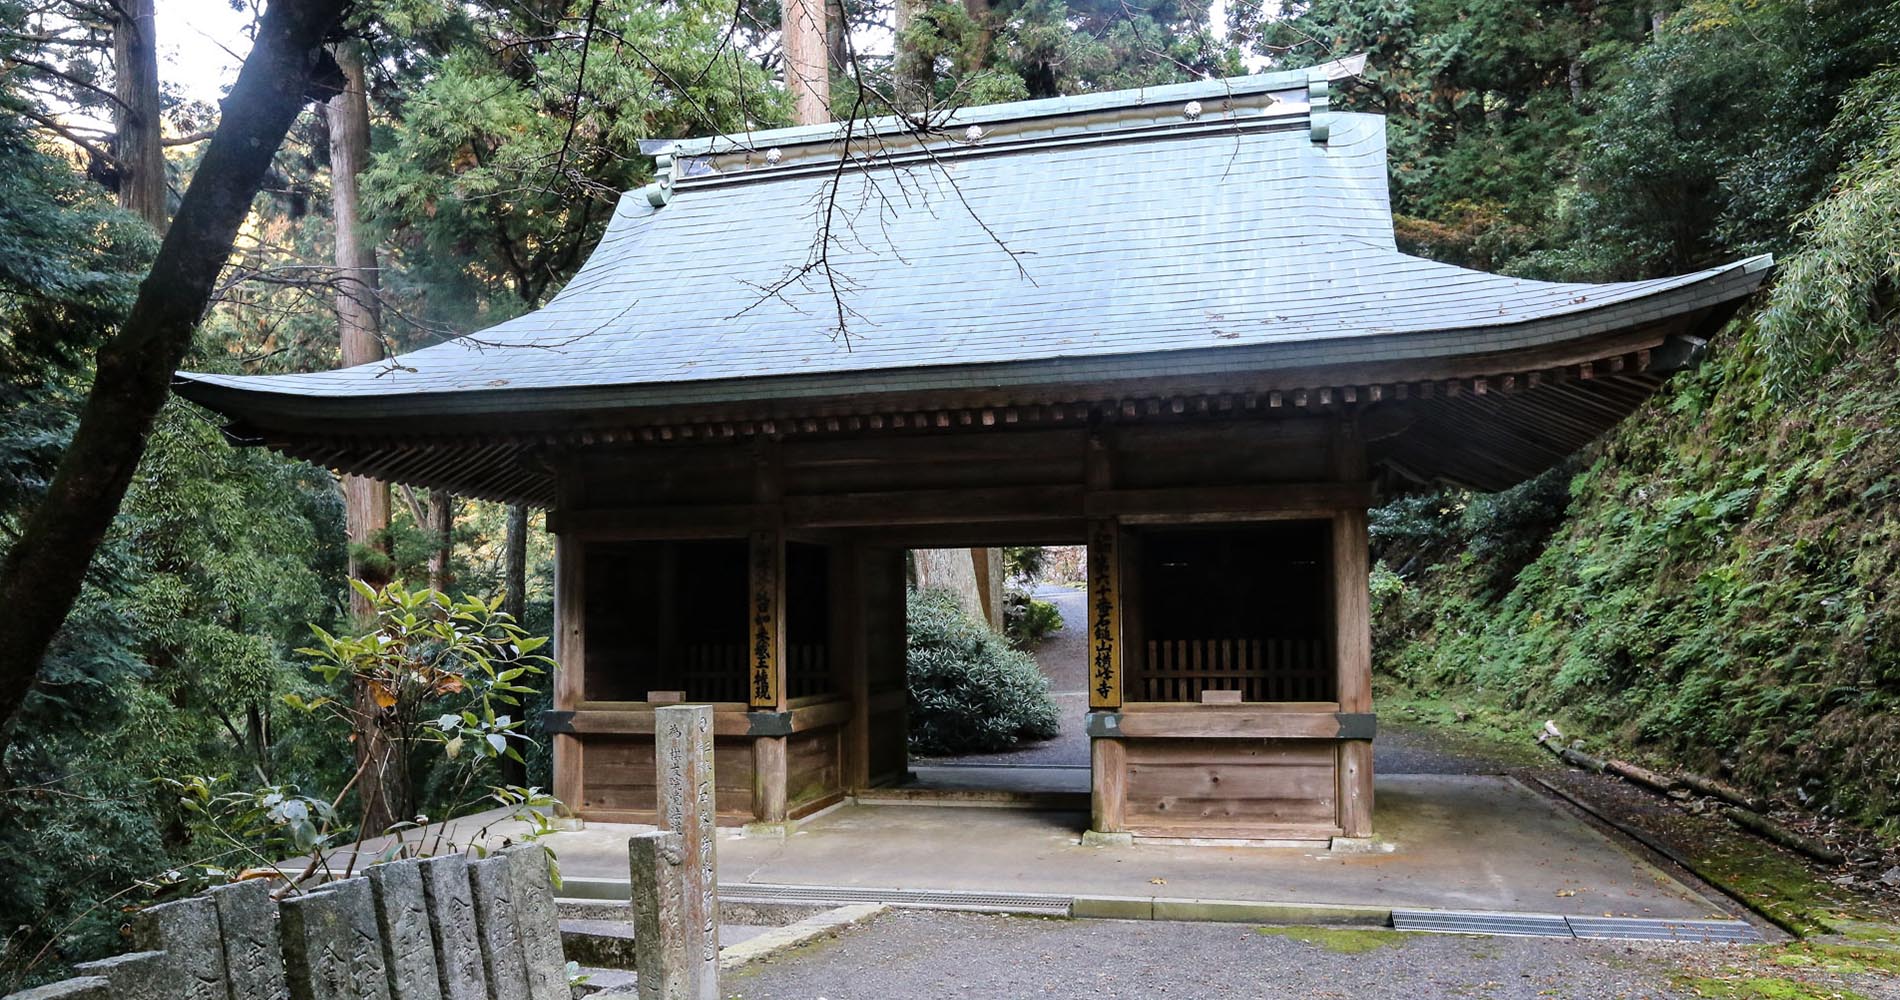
column 655, row 863
column 141, row 975
column 502, row 959
column 684, row 735
column 539, row 925
column 86, row 988
column 458, row 949
column 253, row 957
column 186, row 931
column 332, row 947
column 402, row 916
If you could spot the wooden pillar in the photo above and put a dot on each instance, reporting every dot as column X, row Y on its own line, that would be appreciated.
column 1108, row 768
column 766, row 681
column 1352, row 637
column 851, row 675
column 570, row 664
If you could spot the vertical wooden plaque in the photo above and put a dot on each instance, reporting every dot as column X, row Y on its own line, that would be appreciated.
column 1105, row 659
column 766, row 621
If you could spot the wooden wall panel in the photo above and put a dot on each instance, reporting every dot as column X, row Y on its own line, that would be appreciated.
column 1260, row 451
column 1222, row 788
column 618, row 776
column 813, row 767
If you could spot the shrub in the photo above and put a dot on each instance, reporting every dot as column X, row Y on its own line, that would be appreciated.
column 1027, row 621
column 969, row 691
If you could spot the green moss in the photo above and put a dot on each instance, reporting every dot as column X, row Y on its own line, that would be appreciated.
column 1344, row 941
column 1749, row 987
column 1836, row 956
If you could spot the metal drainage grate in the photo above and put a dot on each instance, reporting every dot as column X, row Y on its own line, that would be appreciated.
column 1481, row 922
column 1648, row 929
column 1589, row 928
column 928, row 899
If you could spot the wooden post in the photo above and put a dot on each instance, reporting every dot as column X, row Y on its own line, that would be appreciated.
column 768, row 778
column 1108, row 768
column 1105, row 660
column 570, row 664
column 683, row 749
column 1352, row 638
column 851, row 676
column 766, row 684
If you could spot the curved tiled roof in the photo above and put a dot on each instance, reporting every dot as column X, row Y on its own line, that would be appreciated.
column 1117, row 252
column 1206, row 246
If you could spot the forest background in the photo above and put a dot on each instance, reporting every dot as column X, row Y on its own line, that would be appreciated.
column 1711, row 585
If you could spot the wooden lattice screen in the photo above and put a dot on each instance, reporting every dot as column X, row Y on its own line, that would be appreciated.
column 1261, row 669
column 712, row 672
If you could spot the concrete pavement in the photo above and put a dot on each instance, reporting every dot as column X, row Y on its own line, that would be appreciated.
column 1455, row 842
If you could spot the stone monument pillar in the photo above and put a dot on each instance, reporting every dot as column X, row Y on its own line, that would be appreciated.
column 684, row 740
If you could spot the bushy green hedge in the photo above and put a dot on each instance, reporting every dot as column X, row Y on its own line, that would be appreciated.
column 969, row 691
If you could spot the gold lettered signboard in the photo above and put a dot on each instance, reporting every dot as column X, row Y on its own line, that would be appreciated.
column 764, row 623
column 1105, row 659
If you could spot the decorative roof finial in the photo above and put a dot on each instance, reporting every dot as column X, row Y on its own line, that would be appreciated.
column 661, row 190
column 1319, row 105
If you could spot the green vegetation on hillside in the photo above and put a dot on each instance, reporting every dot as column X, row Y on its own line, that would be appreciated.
column 1715, row 585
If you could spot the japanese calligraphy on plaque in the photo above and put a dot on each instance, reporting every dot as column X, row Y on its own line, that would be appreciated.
column 1105, row 676
column 763, row 623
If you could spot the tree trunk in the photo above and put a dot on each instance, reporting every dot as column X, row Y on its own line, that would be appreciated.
column 138, row 144
column 837, row 46
column 442, row 531
column 514, row 572
column 44, row 569
column 806, row 74
column 956, row 571
column 365, row 501
column 912, row 69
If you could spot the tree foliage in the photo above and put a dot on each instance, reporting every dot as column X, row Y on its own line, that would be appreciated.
column 969, row 691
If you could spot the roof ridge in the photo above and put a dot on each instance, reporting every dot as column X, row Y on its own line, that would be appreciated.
column 947, row 119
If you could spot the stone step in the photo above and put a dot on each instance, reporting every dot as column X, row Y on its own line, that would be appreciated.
column 608, row 944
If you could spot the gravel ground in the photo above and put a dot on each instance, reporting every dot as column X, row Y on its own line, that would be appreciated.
column 910, row 955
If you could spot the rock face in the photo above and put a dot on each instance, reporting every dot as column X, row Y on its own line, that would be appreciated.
column 539, row 926
column 186, row 932
column 402, row 916
column 495, row 928
column 141, row 975
column 86, row 988
column 458, row 948
column 440, row 929
column 656, row 861
column 333, row 948
column 253, row 951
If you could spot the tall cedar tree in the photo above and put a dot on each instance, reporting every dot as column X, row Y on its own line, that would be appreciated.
column 43, row 571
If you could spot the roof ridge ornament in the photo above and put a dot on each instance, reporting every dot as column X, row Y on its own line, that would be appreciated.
column 1319, row 104
column 660, row 191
